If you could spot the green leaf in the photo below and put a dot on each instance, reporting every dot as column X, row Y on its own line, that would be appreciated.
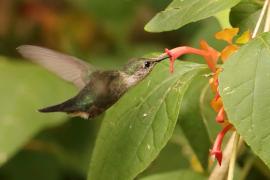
column 245, row 90
column 223, row 18
column 166, row 162
column 24, row 89
column 176, row 175
column 32, row 165
column 208, row 114
column 191, row 119
column 140, row 124
column 245, row 15
column 182, row 12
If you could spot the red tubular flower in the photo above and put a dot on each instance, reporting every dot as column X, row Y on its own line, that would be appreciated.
column 221, row 115
column 179, row 51
column 211, row 57
column 217, row 96
column 227, row 34
column 216, row 150
column 210, row 54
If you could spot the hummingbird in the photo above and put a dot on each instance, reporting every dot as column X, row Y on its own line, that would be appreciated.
column 98, row 89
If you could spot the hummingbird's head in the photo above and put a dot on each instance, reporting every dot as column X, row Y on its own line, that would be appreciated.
column 141, row 67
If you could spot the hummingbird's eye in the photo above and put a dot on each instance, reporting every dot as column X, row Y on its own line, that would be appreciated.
column 147, row 64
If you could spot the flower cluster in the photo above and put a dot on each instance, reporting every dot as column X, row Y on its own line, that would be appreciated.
column 217, row 104
column 211, row 57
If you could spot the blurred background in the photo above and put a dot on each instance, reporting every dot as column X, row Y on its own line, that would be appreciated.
column 105, row 34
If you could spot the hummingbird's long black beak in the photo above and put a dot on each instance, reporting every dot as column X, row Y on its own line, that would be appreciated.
column 162, row 57
column 159, row 58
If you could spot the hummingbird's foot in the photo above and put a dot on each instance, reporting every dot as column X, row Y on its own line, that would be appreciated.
column 83, row 115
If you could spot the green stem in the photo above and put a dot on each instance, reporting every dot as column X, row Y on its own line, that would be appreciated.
column 233, row 156
column 255, row 31
column 267, row 20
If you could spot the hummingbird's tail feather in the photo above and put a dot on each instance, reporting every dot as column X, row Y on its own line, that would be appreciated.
column 67, row 106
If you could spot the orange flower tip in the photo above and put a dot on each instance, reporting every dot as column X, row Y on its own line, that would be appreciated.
column 203, row 44
column 220, row 119
column 227, row 34
column 217, row 154
column 244, row 38
column 211, row 56
column 227, row 51
column 220, row 116
column 216, row 104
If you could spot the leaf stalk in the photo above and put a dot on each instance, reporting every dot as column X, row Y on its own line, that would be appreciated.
column 260, row 19
column 233, row 156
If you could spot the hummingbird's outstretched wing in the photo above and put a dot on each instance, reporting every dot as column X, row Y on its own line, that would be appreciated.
column 67, row 67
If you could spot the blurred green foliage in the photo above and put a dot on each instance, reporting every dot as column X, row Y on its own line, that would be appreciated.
column 106, row 34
